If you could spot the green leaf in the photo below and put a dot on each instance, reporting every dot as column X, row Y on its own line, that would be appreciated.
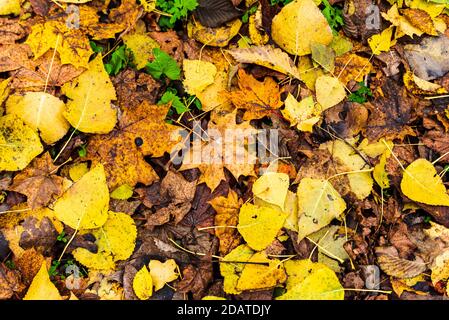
column 177, row 9
column 170, row 97
column 163, row 64
column 361, row 95
column 333, row 15
column 96, row 48
column 119, row 60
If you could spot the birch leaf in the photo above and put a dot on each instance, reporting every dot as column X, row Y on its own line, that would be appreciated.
column 421, row 183
column 42, row 112
column 318, row 204
column 89, row 107
column 41, row 287
column 19, row 144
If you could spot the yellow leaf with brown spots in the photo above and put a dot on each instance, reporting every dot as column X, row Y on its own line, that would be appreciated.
column 72, row 45
column 352, row 67
column 216, row 37
column 421, row 20
column 227, row 209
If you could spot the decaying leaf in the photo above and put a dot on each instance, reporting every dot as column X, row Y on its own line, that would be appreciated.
column 392, row 265
column 257, row 98
column 216, row 37
column 19, row 143
column 116, row 240
column 304, row 114
column 318, row 204
column 267, row 56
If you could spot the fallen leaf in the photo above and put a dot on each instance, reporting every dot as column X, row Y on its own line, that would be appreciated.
column 391, row 264
column 259, row 99
column 298, row 25
column 143, row 284
column 421, row 183
column 10, row 7
column 352, row 67
column 10, row 30
column 116, row 240
column 19, row 144
column 420, row 19
column 39, row 235
column 89, row 107
column 10, row 282
column 42, row 112
column 141, row 45
column 259, row 276
column 304, row 114
column 382, row 42
column 401, row 22
column 41, row 287
column 215, row 13
column 272, row 187
column 311, row 281
column 198, row 75
column 216, row 37
column 231, row 266
column 85, row 204
column 323, row 55
column 318, row 204
column 39, row 182
column 71, row 44
column 329, row 91
column 267, row 56
column 259, row 225
column 162, row 273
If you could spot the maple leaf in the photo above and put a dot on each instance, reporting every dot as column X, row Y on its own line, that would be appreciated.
column 227, row 209
column 142, row 131
column 39, row 182
column 259, row 99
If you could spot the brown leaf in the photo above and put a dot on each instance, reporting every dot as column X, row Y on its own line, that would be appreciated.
column 195, row 279
column 39, row 182
column 391, row 264
column 10, row 282
column 40, row 7
column 40, row 236
column 390, row 114
column 133, row 88
column 170, row 43
column 10, row 31
column 14, row 56
column 421, row 20
column 227, row 215
column 438, row 141
column 29, row 264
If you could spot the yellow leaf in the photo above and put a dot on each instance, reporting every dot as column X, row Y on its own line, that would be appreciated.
column 331, row 243
column 418, row 86
column 323, row 55
column 89, row 107
column 211, row 97
column 232, row 269
column 10, row 7
column 352, row 67
column 85, row 204
column 74, row 1
column 260, row 225
column 212, row 298
column 318, row 204
column 116, row 240
column 4, row 92
column 78, row 170
column 379, row 173
column 311, row 281
column 41, row 287
column 440, row 267
column 216, row 37
column 361, row 183
column 374, row 149
column 258, row 37
column 260, row 276
column 198, row 75
column 72, row 44
column 141, row 45
column 382, row 42
column 19, row 144
column 303, row 114
column 421, row 183
column 143, row 284
column 124, row 192
column 267, row 56
column 42, row 112
column 401, row 22
column 298, row 25
column 329, row 91
column 272, row 187
column 308, row 72
column 148, row 5
column 291, row 207
column 432, row 8
column 163, row 273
